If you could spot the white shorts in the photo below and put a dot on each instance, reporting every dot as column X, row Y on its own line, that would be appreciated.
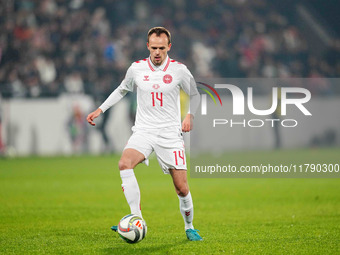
column 167, row 143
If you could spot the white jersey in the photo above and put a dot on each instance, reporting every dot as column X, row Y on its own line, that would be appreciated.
column 158, row 90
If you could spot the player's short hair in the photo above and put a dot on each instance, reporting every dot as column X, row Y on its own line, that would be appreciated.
column 158, row 31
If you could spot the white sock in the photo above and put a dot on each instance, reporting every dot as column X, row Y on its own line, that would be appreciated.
column 187, row 210
column 131, row 190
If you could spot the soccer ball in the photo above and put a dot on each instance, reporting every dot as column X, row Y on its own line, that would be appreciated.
column 132, row 228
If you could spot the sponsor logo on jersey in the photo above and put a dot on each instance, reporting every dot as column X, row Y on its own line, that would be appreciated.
column 167, row 78
column 146, row 78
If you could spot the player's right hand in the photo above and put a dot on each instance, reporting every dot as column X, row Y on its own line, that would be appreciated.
column 93, row 115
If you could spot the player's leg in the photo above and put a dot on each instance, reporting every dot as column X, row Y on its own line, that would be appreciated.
column 128, row 161
column 138, row 149
column 170, row 154
column 179, row 177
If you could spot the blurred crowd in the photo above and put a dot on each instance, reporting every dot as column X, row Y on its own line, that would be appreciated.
column 49, row 47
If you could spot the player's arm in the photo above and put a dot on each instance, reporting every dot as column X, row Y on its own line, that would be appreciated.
column 189, row 87
column 126, row 86
column 114, row 98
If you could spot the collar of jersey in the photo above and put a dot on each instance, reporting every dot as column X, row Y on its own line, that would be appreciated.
column 162, row 67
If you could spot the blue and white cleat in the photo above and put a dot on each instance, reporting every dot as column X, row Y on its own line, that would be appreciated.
column 192, row 235
column 114, row 228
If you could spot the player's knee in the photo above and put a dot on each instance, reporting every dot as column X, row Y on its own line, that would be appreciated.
column 182, row 191
column 125, row 163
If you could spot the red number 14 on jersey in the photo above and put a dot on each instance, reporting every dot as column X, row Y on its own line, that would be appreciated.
column 157, row 96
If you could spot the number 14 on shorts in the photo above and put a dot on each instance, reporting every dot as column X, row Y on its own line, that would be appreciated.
column 179, row 157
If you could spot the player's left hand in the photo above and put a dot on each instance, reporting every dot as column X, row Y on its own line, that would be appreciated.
column 187, row 123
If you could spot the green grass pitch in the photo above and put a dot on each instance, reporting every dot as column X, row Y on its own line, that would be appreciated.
column 66, row 205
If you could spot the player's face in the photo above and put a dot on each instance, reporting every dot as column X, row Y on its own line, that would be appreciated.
column 158, row 47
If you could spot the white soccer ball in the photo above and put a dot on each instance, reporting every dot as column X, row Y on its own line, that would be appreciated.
column 132, row 228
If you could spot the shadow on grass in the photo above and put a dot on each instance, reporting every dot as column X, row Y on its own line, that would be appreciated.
column 145, row 248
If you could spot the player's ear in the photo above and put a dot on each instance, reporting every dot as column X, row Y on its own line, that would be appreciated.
column 169, row 46
column 147, row 45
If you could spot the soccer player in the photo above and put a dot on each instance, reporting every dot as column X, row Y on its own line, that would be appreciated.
column 158, row 80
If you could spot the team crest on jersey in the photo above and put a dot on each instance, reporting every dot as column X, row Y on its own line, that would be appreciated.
column 146, row 78
column 167, row 78
column 155, row 86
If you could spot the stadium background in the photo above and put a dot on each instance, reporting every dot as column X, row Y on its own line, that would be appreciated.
column 60, row 59
column 72, row 54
